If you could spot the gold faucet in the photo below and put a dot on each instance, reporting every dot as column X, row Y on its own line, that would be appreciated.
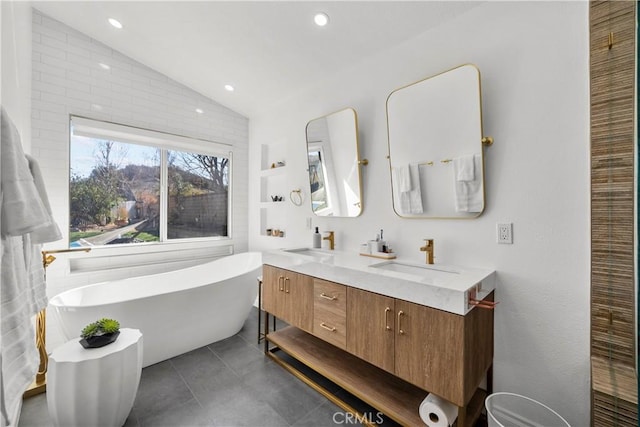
column 428, row 248
column 330, row 238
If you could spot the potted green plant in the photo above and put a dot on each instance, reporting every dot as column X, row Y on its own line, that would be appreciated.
column 100, row 333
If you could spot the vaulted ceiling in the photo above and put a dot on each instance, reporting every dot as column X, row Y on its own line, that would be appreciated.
column 268, row 50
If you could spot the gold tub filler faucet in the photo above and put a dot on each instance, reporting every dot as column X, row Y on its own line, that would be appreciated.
column 428, row 248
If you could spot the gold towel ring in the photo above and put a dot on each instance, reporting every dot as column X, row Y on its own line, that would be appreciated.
column 296, row 197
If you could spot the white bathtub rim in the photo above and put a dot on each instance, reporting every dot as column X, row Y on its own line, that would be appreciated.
column 58, row 303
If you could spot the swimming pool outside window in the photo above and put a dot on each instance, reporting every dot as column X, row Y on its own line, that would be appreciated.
column 129, row 185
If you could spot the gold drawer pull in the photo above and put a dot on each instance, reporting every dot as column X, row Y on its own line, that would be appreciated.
column 400, row 314
column 386, row 318
column 330, row 298
column 287, row 288
column 328, row 328
column 281, row 283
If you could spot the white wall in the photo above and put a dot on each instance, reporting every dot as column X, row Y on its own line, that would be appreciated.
column 67, row 80
column 15, row 92
column 533, row 58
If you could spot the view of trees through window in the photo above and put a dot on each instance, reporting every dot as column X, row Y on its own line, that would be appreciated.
column 198, row 195
column 116, row 194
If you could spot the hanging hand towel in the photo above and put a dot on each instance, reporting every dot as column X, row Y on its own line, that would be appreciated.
column 469, row 194
column 464, row 168
column 403, row 178
column 411, row 201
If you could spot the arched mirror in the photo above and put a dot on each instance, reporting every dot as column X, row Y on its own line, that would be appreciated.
column 435, row 146
column 334, row 164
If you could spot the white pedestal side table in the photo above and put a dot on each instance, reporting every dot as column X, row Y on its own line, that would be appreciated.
column 96, row 386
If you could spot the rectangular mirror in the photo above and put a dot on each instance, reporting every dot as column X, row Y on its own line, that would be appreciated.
column 334, row 164
column 435, row 146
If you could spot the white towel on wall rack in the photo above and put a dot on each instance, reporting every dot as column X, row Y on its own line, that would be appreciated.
column 467, row 172
column 464, row 168
column 403, row 176
column 410, row 201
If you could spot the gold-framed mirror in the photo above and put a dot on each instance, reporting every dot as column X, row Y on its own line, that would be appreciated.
column 335, row 180
column 436, row 146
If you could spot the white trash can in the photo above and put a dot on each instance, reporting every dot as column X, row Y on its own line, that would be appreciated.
column 513, row 410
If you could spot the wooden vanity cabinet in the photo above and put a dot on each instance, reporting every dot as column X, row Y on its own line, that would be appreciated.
column 432, row 350
column 289, row 296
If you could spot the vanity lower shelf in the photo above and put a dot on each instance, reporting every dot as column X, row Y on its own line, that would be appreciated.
column 391, row 395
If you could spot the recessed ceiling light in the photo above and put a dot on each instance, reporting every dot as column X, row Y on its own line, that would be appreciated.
column 104, row 66
column 321, row 19
column 229, row 88
column 115, row 23
column 199, row 110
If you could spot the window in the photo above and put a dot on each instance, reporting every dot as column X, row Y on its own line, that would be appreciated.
column 320, row 194
column 129, row 185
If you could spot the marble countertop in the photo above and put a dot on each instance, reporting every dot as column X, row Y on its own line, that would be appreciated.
column 445, row 287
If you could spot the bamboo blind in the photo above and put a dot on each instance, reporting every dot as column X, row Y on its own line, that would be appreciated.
column 614, row 395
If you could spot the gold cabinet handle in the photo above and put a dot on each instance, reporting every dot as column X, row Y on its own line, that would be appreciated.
column 287, row 288
column 400, row 330
column 327, row 327
column 330, row 298
column 386, row 318
column 281, row 283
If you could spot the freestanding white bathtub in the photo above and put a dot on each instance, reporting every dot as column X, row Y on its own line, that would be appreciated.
column 176, row 312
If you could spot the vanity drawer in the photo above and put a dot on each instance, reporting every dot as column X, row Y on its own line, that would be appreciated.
column 329, row 312
column 329, row 295
column 330, row 327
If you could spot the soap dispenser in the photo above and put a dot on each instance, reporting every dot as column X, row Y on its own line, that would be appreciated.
column 317, row 239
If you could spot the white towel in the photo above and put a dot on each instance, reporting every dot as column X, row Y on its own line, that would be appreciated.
column 403, row 177
column 469, row 195
column 22, row 208
column 411, row 201
column 464, row 168
column 48, row 231
column 20, row 357
column 22, row 293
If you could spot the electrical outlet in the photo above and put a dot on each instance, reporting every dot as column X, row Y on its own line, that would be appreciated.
column 505, row 233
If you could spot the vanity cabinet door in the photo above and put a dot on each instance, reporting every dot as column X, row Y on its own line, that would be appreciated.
column 288, row 296
column 298, row 289
column 273, row 296
column 429, row 350
column 371, row 327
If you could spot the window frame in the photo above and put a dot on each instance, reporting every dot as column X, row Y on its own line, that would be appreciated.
column 164, row 141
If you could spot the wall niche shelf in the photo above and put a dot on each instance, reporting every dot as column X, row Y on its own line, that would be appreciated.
column 273, row 182
column 273, row 171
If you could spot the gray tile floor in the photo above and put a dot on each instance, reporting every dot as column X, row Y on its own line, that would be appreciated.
column 228, row 383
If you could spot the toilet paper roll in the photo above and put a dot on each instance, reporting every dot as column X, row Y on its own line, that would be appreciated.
column 437, row 412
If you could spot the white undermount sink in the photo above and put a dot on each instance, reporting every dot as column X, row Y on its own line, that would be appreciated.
column 309, row 252
column 426, row 270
